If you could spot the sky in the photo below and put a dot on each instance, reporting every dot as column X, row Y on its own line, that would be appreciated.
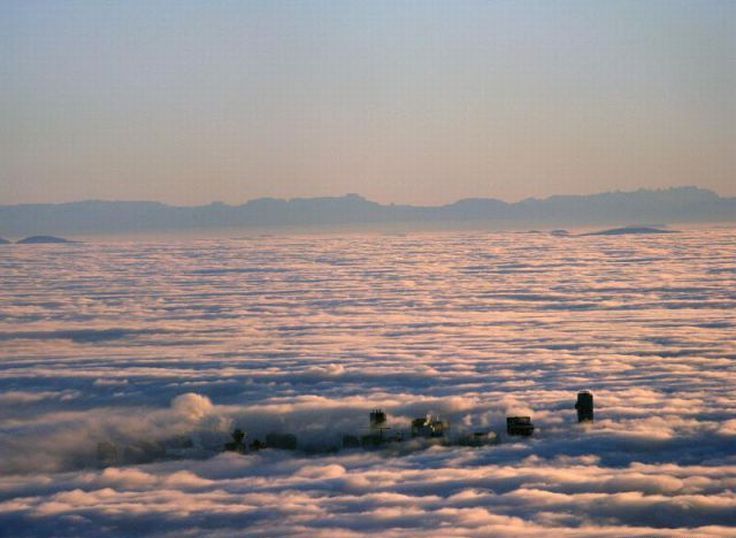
column 408, row 102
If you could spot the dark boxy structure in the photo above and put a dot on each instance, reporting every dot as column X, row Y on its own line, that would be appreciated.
column 584, row 405
column 375, row 437
column 519, row 426
column 428, row 426
column 237, row 444
column 378, row 419
column 350, row 441
column 282, row 441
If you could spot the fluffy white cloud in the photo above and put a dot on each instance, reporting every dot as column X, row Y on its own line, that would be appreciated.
column 145, row 346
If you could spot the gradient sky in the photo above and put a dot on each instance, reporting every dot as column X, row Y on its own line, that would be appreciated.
column 412, row 102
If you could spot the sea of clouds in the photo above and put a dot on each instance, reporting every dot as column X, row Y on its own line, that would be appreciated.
column 140, row 343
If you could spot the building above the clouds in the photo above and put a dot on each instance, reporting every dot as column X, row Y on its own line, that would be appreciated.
column 584, row 406
column 521, row 425
column 237, row 444
column 429, row 426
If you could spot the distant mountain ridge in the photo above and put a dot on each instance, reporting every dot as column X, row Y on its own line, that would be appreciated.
column 679, row 204
column 631, row 230
column 43, row 240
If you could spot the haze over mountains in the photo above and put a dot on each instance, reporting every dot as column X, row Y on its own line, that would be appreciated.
column 681, row 204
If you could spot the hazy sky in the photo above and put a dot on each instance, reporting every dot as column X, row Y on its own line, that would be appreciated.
column 412, row 102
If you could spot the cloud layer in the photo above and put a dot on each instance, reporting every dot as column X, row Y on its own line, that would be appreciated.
column 139, row 344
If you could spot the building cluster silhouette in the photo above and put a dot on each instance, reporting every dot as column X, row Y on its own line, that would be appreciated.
column 428, row 430
column 423, row 431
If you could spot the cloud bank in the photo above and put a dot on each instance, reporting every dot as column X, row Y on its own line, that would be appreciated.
column 144, row 344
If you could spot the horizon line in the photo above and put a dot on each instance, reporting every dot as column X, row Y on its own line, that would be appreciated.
column 357, row 195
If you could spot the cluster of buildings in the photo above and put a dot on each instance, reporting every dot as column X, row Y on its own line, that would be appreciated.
column 427, row 430
column 281, row 441
column 422, row 432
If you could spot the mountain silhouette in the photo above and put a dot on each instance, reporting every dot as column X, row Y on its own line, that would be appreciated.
column 40, row 239
column 626, row 230
column 682, row 204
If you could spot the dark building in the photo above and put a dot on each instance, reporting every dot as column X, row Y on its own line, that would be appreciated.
column 378, row 419
column 584, row 405
column 237, row 444
column 519, row 425
column 372, row 440
column 478, row 438
column 282, row 441
column 350, row 441
column 428, row 426
column 378, row 426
